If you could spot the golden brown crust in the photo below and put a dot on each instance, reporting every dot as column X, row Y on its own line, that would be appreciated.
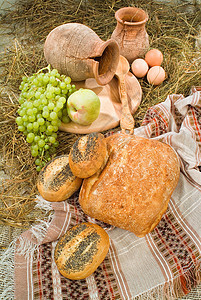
column 56, row 181
column 87, row 155
column 133, row 190
column 81, row 250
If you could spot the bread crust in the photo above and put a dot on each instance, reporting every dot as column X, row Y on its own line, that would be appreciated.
column 87, row 155
column 133, row 190
column 81, row 250
column 56, row 181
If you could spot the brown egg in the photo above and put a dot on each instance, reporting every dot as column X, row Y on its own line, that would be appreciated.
column 154, row 57
column 156, row 75
column 139, row 67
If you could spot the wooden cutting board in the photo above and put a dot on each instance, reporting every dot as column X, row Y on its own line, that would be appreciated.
column 110, row 110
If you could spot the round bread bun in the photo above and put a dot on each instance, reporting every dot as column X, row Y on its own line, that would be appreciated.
column 56, row 182
column 88, row 154
column 81, row 250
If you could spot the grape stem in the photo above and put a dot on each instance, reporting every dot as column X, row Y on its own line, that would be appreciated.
column 45, row 68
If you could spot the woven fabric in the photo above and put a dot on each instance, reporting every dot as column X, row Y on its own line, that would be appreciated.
column 165, row 264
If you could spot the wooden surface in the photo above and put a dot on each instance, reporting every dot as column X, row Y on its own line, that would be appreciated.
column 110, row 111
column 126, row 120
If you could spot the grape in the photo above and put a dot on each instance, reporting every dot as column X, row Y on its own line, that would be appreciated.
column 25, row 118
column 60, row 105
column 21, row 128
column 34, row 153
column 32, row 118
column 35, row 125
column 67, row 80
column 41, row 143
column 65, row 119
column 45, row 114
column 29, row 111
column 29, row 127
column 38, row 162
column 41, row 121
column 37, row 138
column 50, row 128
column 52, row 139
column 38, row 168
column 29, row 105
column 51, row 105
column 19, row 121
column 53, row 115
column 42, row 100
column 30, row 137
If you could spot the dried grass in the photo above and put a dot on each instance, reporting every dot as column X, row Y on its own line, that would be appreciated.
column 170, row 30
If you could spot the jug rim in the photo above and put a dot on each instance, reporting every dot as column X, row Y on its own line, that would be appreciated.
column 128, row 9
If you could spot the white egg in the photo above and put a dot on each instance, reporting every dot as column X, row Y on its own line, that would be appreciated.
column 139, row 67
column 156, row 75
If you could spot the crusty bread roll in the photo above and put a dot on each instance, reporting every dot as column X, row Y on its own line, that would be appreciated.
column 88, row 154
column 133, row 190
column 81, row 250
column 56, row 182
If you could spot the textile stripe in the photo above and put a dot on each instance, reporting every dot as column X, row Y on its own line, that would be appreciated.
column 120, row 279
column 164, row 117
column 104, row 281
column 177, row 247
column 159, row 258
column 66, row 221
column 46, row 268
column 157, row 121
column 195, row 238
column 30, row 276
column 56, row 276
column 196, row 124
column 92, row 287
column 74, row 289
column 39, row 274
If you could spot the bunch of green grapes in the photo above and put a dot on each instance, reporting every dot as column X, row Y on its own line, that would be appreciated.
column 42, row 102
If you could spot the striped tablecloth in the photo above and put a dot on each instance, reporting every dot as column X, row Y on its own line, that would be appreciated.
column 165, row 264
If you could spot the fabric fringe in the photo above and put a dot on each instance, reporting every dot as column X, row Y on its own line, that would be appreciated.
column 179, row 287
column 25, row 246
column 7, row 273
column 43, row 204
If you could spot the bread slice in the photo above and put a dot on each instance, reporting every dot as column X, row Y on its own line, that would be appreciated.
column 133, row 190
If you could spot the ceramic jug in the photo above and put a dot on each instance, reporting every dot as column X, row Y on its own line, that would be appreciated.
column 77, row 51
column 130, row 32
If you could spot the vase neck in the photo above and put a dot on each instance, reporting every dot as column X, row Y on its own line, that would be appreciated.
column 130, row 27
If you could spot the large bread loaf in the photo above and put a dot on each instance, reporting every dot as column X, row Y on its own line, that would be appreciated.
column 133, row 190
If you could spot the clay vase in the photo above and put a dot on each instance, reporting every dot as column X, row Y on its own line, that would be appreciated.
column 130, row 32
column 77, row 51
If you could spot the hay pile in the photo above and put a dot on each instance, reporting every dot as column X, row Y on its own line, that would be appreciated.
column 169, row 29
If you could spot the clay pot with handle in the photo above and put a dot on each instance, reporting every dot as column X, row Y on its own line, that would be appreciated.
column 77, row 51
column 130, row 32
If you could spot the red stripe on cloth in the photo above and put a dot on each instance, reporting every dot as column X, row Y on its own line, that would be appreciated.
column 39, row 275
column 109, row 282
column 76, row 214
column 185, row 225
column 182, row 239
column 156, row 126
column 178, row 265
column 162, row 108
column 196, row 123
